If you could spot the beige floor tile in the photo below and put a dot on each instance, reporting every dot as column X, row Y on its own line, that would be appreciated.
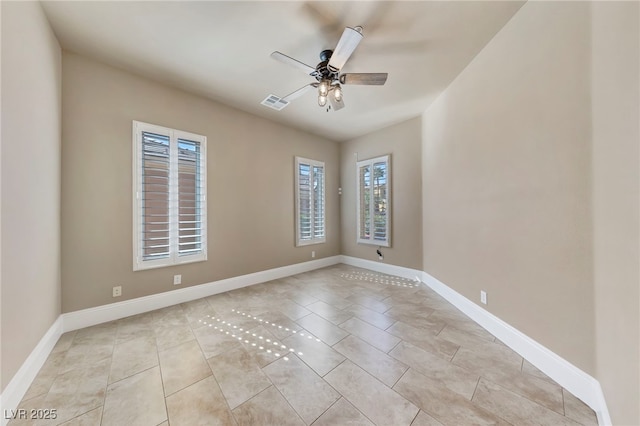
column 64, row 342
column 370, row 316
column 86, row 354
column 97, row 334
column 409, row 304
column 447, row 353
column 342, row 413
column 220, row 302
column 195, row 307
column 455, row 378
column 369, row 302
column 133, row 356
column 239, row 377
column 91, row 418
column 267, row 408
column 578, row 410
column 301, row 297
column 371, row 290
column 196, row 314
column 135, row 333
column 545, row 393
column 375, row 362
column 423, row 419
column 514, row 408
column 168, row 336
column 182, row 366
column 134, row 327
column 303, row 389
column 199, row 404
column 322, row 329
column 375, row 400
column 46, row 376
column 332, row 297
column 263, row 346
column 213, row 340
column 426, row 341
column 422, row 321
column 370, row 334
column 460, row 321
column 462, row 338
column 434, row 301
column 169, row 317
column 291, row 309
column 321, row 357
column 500, row 364
column 77, row 391
column 441, row 403
column 135, row 401
column 330, row 313
column 530, row 369
column 277, row 323
column 488, row 358
column 20, row 416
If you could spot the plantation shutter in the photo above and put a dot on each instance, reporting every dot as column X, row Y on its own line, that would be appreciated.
column 365, row 202
column 170, row 197
column 310, row 201
column 373, row 214
column 190, row 229
column 155, row 196
column 379, row 201
column 318, row 201
column 305, row 206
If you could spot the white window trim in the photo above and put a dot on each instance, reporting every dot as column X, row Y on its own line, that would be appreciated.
column 370, row 162
column 313, row 240
column 173, row 259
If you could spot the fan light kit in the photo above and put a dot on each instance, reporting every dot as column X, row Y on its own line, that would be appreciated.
column 327, row 73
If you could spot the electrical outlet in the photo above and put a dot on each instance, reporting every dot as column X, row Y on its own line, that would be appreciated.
column 117, row 291
column 483, row 297
column 313, row 254
column 379, row 253
column 177, row 279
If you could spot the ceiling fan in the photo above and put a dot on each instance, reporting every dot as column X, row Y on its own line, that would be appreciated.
column 327, row 74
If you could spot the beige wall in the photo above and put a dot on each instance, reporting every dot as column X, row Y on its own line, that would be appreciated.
column 402, row 141
column 506, row 179
column 616, row 180
column 30, row 182
column 250, row 185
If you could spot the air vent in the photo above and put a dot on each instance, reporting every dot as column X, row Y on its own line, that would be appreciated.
column 275, row 102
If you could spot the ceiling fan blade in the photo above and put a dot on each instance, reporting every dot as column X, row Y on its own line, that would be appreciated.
column 301, row 91
column 336, row 104
column 370, row 79
column 293, row 62
column 346, row 45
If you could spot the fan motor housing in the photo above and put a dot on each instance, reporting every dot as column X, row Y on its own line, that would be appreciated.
column 322, row 70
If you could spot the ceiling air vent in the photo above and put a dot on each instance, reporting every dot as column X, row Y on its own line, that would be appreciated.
column 275, row 102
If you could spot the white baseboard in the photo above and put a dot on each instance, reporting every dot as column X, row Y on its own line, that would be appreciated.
column 384, row 268
column 19, row 384
column 113, row 311
column 570, row 377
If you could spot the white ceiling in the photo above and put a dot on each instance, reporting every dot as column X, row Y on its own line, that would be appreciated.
column 220, row 50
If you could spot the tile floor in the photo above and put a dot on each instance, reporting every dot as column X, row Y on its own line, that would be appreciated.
column 335, row 346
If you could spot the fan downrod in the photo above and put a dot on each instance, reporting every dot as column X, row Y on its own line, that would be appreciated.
column 325, row 55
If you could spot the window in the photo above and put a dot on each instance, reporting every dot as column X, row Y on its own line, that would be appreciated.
column 373, row 208
column 170, row 209
column 310, row 217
